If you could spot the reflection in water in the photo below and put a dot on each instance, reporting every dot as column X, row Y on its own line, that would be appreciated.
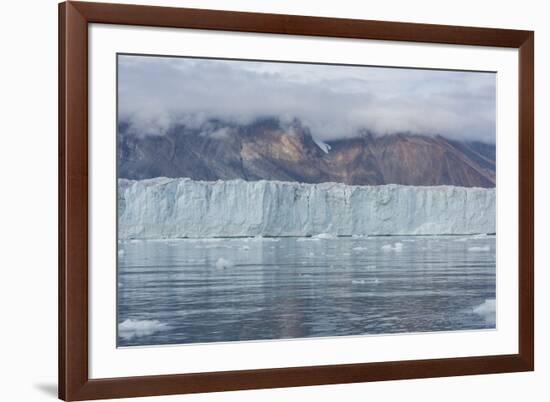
column 217, row 290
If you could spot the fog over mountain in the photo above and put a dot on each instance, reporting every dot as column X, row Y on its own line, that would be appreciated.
column 334, row 101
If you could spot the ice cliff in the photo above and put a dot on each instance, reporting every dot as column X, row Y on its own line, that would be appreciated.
column 168, row 208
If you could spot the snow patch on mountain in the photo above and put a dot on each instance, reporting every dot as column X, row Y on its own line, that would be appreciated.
column 323, row 145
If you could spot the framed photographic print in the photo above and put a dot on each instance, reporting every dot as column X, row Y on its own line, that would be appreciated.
column 258, row 200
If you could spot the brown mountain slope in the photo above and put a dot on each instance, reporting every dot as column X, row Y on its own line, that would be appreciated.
column 266, row 150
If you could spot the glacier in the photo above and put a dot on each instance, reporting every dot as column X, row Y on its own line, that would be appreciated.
column 185, row 208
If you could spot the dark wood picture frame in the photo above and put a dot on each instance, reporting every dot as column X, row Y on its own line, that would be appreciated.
column 74, row 381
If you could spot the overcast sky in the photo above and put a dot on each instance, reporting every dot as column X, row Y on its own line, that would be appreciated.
column 333, row 101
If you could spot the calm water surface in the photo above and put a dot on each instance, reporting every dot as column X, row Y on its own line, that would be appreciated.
column 219, row 290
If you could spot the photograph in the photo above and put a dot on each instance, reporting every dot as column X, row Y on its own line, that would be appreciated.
column 271, row 201
column 268, row 200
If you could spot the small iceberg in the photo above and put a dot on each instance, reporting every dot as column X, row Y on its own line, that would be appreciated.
column 374, row 281
column 487, row 310
column 262, row 238
column 131, row 328
column 222, row 263
column 482, row 248
column 397, row 247
column 324, row 236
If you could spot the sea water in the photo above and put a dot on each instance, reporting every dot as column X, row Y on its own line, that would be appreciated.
column 241, row 289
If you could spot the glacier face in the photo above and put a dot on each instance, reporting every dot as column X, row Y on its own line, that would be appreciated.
column 169, row 208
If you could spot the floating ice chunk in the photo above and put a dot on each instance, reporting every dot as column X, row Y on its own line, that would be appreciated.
column 482, row 248
column 397, row 247
column 487, row 310
column 261, row 238
column 222, row 263
column 359, row 248
column 245, row 248
column 309, row 238
column 131, row 328
column 120, row 252
column 324, row 236
column 374, row 281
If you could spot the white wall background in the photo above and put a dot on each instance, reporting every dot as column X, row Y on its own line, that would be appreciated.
column 28, row 200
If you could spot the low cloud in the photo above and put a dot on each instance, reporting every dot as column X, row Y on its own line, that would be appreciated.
column 333, row 101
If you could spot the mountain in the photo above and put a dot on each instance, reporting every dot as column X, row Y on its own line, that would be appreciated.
column 270, row 150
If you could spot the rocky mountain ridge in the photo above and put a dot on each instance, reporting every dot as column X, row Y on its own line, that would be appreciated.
column 267, row 149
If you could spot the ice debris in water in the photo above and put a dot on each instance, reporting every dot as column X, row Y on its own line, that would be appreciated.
column 222, row 263
column 131, row 328
column 308, row 239
column 483, row 248
column 365, row 281
column 324, row 236
column 397, row 247
column 480, row 236
column 487, row 310
column 359, row 248
column 262, row 238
